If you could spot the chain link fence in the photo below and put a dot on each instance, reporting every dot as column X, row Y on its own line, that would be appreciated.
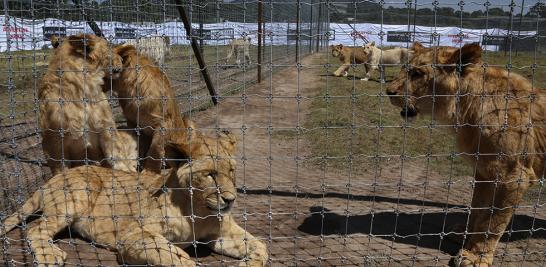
column 328, row 172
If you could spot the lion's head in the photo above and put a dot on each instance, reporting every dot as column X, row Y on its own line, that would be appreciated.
column 368, row 48
column 337, row 50
column 431, row 77
column 95, row 50
column 211, row 172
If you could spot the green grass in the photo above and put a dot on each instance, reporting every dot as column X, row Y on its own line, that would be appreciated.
column 350, row 126
column 21, row 72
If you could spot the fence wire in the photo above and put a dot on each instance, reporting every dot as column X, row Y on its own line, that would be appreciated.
column 360, row 159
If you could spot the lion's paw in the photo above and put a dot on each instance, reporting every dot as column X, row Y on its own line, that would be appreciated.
column 50, row 255
column 364, row 79
column 469, row 259
column 251, row 263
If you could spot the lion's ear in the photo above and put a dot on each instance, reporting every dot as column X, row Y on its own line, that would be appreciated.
column 465, row 56
column 417, row 47
column 372, row 43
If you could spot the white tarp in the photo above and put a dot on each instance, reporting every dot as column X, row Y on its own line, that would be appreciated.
column 23, row 34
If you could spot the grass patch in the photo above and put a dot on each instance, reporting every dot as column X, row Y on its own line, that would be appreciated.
column 351, row 126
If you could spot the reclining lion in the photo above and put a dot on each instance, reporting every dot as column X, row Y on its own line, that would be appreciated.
column 145, row 225
column 348, row 55
column 500, row 129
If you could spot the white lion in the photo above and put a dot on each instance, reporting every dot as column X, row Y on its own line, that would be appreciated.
column 379, row 59
column 240, row 47
column 155, row 47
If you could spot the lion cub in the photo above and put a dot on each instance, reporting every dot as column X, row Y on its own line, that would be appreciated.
column 148, row 103
column 145, row 223
column 76, row 120
column 348, row 55
column 500, row 120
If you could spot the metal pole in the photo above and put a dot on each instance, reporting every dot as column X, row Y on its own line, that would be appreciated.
column 414, row 20
column 310, row 38
column 197, row 52
column 200, row 16
column 520, row 21
column 319, row 24
column 260, row 34
column 297, row 31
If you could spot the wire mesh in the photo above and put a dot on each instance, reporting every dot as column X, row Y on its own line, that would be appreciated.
column 328, row 171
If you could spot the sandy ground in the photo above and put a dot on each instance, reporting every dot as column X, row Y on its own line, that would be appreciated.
column 399, row 216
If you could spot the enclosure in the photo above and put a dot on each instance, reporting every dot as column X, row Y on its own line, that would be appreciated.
column 328, row 172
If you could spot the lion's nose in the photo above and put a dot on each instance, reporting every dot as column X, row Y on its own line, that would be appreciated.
column 228, row 199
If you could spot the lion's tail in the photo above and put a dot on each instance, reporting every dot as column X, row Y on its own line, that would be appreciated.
column 30, row 207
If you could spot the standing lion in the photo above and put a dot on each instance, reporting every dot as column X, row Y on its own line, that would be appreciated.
column 499, row 118
column 241, row 48
column 348, row 55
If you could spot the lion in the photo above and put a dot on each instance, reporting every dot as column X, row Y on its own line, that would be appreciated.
column 241, row 48
column 379, row 59
column 143, row 223
column 76, row 121
column 154, row 47
column 500, row 122
column 148, row 103
column 347, row 56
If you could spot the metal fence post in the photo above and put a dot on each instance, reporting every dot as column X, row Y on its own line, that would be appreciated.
column 260, row 34
column 297, row 30
column 197, row 52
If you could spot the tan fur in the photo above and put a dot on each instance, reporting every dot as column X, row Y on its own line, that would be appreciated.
column 379, row 59
column 143, row 224
column 75, row 117
column 148, row 102
column 241, row 48
column 347, row 56
column 499, row 114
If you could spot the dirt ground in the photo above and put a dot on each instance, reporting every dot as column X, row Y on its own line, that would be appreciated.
column 399, row 216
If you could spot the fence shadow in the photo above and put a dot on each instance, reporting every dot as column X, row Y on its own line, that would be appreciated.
column 423, row 230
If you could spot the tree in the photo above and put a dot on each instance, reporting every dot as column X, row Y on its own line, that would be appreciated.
column 539, row 9
column 497, row 11
column 477, row 14
column 445, row 11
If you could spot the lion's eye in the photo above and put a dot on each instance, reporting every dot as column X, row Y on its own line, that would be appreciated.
column 212, row 175
column 415, row 73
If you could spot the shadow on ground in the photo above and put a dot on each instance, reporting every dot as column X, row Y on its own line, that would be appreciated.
column 420, row 229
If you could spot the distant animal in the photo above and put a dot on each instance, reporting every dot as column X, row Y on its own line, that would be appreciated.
column 143, row 223
column 348, row 56
column 500, row 118
column 241, row 48
column 155, row 47
column 76, row 121
column 378, row 59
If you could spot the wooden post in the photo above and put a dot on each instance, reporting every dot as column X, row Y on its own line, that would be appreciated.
column 197, row 52
column 260, row 34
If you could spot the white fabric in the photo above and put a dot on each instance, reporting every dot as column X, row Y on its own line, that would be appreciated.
column 27, row 34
